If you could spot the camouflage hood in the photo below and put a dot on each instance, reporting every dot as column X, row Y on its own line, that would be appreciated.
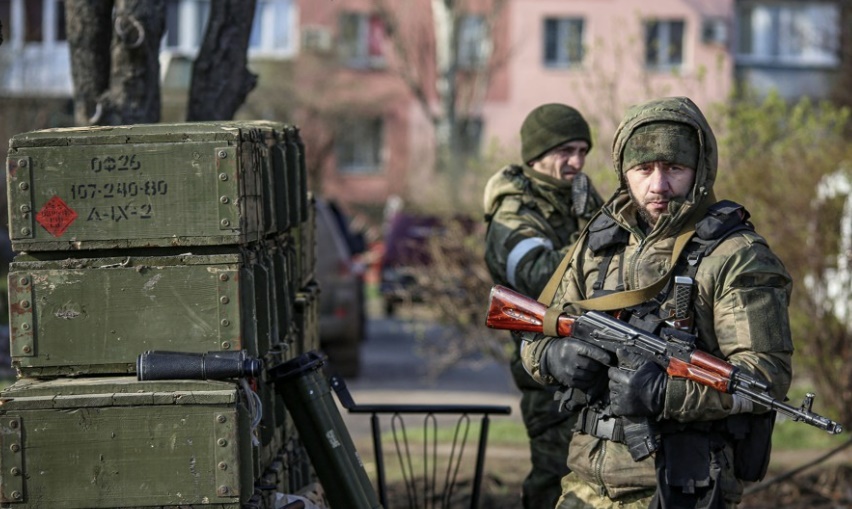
column 669, row 109
column 524, row 182
column 505, row 182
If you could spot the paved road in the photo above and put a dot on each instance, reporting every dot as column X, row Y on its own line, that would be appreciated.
column 393, row 372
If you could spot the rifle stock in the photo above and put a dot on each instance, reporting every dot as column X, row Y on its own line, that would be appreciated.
column 510, row 310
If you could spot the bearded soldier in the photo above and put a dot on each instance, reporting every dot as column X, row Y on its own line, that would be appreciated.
column 665, row 224
column 534, row 211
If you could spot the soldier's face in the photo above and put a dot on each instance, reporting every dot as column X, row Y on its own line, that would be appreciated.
column 564, row 161
column 653, row 185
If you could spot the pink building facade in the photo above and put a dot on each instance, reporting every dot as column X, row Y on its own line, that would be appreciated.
column 629, row 51
column 598, row 55
column 368, row 135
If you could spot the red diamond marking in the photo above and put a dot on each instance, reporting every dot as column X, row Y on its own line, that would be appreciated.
column 56, row 216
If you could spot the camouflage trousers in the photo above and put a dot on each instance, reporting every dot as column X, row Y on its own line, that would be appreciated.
column 549, row 434
column 578, row 494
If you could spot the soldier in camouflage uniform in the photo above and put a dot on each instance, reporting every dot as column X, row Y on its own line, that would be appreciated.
column 665, row 156
column 534, row 212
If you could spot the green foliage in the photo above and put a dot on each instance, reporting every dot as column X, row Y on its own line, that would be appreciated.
column 773, row 155
column 455, row 287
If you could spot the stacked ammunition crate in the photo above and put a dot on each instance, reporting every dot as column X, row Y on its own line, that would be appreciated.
column 191, row 237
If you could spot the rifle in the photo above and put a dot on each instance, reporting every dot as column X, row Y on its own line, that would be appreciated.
column 673, row 350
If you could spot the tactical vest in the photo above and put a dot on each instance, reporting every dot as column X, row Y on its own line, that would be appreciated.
column 750, row 434
column 608, row 239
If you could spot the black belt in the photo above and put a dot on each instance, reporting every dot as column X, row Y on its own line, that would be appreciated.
column 600, row 425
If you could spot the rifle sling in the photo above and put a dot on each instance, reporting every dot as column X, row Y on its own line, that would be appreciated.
column 550, row 319
column 610, row 301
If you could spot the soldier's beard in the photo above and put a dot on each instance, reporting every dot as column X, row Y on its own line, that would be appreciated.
column 644, row 215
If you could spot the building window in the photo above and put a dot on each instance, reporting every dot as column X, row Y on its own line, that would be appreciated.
column 358, row 146
column 361, row 40
column 5, row 19
column 664, row 44
column 274, row 29
column 563, row 42
column 33, row 22
column 272, row 33
column 473, row 43
column 186, row 21
column 789, row 34
column 33, row 18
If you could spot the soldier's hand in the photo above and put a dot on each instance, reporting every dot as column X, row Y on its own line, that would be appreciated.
column 637, row 387
column 574, row 363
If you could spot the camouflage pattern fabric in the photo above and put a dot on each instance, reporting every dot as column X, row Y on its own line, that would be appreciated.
column 740, row 312
column 532, row 223
column 549, row 433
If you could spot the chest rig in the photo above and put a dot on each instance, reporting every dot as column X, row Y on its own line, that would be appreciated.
column 609, row 240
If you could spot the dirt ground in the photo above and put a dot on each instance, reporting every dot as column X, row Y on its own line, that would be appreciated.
column 830, row 489
column 827, row 487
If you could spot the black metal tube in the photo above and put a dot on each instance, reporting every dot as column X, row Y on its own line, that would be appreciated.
column 430, row 409
column 321, row 429
column 480, row 462
column 380, row 460
column 163, row 365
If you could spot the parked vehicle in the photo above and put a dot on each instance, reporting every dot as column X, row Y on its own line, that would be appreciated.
column 407, row 252
column 341, row 279
column 406, row 248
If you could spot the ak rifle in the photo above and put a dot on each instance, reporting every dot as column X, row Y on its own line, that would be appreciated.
column 674, row 351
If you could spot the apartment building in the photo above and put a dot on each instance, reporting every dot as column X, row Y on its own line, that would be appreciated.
column 792, row 47
column 599, row 55
column 368, row 109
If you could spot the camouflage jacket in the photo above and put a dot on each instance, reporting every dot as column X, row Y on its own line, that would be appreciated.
column 531, row 224
column 740, row 310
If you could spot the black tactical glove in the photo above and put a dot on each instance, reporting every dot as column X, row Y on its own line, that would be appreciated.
column 637, row 387
column 574, row 363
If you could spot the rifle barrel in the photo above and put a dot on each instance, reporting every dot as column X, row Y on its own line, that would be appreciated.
column 797, row 414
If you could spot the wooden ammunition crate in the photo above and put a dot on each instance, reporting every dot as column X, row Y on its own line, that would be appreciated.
column 94, row 316
column 153, row 185
column 111, row 442
column 306, row 317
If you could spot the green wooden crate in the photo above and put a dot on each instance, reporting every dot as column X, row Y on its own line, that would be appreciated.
column 84, row 316
column 114, row 442
column 154, row 185
column 287, row 175
column 306, row 317
column 304, row 239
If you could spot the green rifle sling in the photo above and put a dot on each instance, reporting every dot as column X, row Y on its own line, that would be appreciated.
column 611, row 301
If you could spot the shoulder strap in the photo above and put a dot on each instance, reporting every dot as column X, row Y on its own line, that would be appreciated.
column 618, row 300
column 546, row 295
column 637, row 296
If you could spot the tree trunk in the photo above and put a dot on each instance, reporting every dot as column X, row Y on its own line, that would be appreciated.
column 89, row 29
column 134, row 92
column 220, row 79
column 115, row 60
